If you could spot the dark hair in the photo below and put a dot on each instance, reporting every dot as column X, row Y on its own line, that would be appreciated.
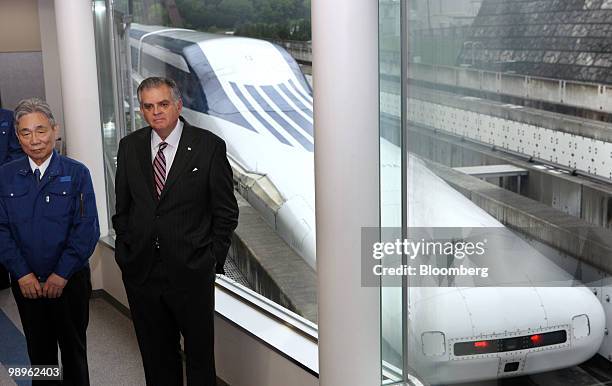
column 157, row 81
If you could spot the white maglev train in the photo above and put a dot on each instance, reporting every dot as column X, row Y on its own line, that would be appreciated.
column 253, row 95
column 467, row 334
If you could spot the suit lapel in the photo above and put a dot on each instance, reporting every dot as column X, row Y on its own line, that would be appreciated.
column 144, row 156
column 184, row 152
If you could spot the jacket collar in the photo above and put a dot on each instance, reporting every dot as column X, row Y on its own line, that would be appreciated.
column 54, row 169
column 143, row 150
column 186, row 149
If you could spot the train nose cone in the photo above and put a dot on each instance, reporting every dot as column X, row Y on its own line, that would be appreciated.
column 500, row 312
column 495, row 310
column 479, row 311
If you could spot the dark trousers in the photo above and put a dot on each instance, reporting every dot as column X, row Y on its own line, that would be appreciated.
column 49, row 322
column 4, row 278
column 161, row 312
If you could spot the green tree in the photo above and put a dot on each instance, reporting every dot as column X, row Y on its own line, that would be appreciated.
column 233, row 12
column 276, row 11
column 269, row 19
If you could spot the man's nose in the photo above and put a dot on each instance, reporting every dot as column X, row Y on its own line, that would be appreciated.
column 35, row 138
column 157, row 109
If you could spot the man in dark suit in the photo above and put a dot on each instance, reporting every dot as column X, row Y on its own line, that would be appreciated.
column 9, row 150
column 175, row 214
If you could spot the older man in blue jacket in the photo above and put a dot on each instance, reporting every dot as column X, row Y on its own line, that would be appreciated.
column 48, row 230
column 9, row 150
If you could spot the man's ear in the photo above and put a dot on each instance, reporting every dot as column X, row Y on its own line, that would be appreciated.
column 179, row 105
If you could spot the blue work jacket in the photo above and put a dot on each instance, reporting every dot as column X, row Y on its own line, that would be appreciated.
column 9, row 145
column 49, row 226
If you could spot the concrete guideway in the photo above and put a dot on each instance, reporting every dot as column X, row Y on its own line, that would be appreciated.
column 590, row 96
column 569, row 142
column 566, row 233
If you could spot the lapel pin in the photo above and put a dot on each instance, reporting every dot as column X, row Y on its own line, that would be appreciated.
column 188, row 148
column 195, row 170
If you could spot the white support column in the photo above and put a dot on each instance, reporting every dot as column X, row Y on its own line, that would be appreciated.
column 79, row 79
column 345, row 64
column 50, row 57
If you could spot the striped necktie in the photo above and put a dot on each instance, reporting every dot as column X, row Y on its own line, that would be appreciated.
column 159, row 169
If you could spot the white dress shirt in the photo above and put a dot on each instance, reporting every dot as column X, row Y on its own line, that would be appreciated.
column 43, row 167
column 172, row 140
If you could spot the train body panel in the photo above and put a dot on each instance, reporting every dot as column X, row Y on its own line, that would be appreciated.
column 294, row 219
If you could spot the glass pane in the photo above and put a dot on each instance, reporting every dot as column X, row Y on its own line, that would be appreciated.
column 505, row 198
column 111, row 120
column 392, row 303
column 243, row 72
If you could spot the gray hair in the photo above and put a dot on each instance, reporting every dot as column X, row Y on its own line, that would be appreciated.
column 158, row 81
column 33, row 105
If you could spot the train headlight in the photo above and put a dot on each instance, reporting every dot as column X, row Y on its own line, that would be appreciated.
column 581, row 328
column 434, row 343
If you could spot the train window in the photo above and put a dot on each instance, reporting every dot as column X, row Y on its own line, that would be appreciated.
column 464, row 87
column 244, row 75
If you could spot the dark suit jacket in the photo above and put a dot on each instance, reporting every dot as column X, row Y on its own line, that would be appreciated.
column 194, row 219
